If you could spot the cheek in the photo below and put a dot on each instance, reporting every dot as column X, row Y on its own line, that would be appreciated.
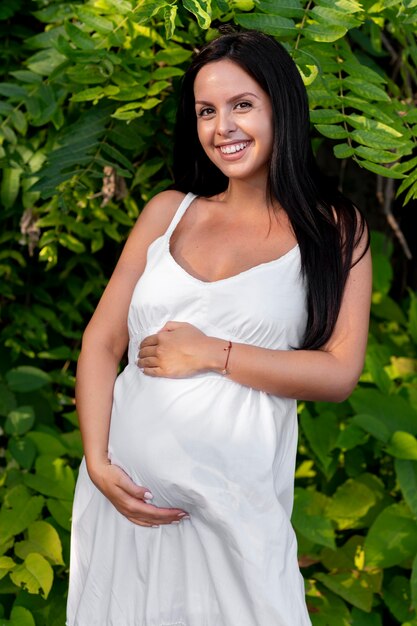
column 205, row 135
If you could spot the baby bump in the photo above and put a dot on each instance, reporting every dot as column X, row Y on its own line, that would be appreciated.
column 192, row 440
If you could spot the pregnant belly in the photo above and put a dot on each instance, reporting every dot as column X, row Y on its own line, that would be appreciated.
column 195, row 440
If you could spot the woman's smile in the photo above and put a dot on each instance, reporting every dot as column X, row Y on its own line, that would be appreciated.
column 233, row 151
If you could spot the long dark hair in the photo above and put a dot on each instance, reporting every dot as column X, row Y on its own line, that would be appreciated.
column 327, row 226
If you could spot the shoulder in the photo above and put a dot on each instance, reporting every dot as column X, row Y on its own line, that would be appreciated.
column 160, row 210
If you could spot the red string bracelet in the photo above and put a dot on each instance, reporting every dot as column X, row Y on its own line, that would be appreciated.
column 225, row 370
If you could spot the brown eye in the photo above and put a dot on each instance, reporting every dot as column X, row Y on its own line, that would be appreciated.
column 243, row 105
column 206, row 112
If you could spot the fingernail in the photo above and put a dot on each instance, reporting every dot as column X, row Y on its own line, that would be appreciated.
column 147, row 495
column 181, row 514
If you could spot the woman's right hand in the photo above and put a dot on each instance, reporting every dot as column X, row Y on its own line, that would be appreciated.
column 131, row 500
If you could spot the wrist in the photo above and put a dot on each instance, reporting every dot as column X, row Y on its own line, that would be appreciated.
column 95, row 466
column 218, row 354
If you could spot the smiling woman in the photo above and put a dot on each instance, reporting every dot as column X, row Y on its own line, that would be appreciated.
column 244, row 289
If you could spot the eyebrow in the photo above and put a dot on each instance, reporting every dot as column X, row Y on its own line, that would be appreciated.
column 241, row 95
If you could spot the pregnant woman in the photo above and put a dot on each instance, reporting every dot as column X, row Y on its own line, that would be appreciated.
column 245, row 288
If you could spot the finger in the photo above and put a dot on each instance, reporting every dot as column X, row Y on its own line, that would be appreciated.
column 147, row 351
column 172, row 325
column 153, row 371
column 132, row 489
column 151, row 340
column 150, row 361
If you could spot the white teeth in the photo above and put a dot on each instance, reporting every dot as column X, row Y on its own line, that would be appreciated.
column 236, row 147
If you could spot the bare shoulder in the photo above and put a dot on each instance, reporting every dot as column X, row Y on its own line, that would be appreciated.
column 160, row 210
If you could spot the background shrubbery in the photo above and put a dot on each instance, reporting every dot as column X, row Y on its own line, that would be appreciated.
column 88, row 98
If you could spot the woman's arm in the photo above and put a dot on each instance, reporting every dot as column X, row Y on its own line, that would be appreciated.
column 104, row 343
column 328, row 374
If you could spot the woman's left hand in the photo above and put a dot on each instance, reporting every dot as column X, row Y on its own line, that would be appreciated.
column 178, row 350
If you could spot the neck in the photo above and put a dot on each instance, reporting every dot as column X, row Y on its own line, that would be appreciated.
column 246, row 195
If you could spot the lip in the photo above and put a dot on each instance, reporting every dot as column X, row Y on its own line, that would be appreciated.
column 233, row 156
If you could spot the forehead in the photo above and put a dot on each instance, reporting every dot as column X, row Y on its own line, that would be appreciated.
column 224, row 78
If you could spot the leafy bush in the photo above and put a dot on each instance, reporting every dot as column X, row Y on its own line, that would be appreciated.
column 86, row 118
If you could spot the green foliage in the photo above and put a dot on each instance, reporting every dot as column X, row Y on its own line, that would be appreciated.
column 87, row 106
column 355, row 508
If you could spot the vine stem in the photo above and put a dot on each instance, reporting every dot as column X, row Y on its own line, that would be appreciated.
column 303, row 21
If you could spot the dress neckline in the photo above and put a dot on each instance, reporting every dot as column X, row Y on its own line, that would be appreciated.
column 200, row 281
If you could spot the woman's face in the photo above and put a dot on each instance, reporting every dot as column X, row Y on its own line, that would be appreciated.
column 234, row 120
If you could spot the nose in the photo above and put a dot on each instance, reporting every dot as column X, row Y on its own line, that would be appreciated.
column 225, row 123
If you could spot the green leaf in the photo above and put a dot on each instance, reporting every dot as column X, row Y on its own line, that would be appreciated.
column 10, row 185
column 392, row 539
column 387, row 172
column 173, row 55
column 6, row 565
column 42, row 539
column 382, row 272
column 363, row 72
column 60, row 353
column 269, row 24
column 402, row 445
column 35, row 575
column 393, row 412
column 170, row 13
column 374, row 364
column 343, row 151
column 147, row 170
column 26, row 378
column 71, row 242
column 284, row 8
column 309, row 519
column 118, row 157
column 322, row 432
column 372, row 154
column 60, row 511
column 324, row 33
column 360, row 618
column 47, row 444
column 90, row 19
column 201, row 9
column 18, row 511
column 357, row 588
column 20, row 420
column 327, row 609
column 7, row 400
column 378, row 140
column 386, row 308
column 327, row 16
column 353, row 501
column 365, row 89
column 397, row 597
column 12, row 91
column 78, row 37
column 326, row 116
column 53, row 478
column 23, row 451
column 373, row 426
column 332, row 131
column 351, row 437
column 20, row 616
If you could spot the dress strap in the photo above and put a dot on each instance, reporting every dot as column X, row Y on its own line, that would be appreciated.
column 187, row 200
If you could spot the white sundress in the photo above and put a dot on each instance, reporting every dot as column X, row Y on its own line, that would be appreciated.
column 223, row 452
